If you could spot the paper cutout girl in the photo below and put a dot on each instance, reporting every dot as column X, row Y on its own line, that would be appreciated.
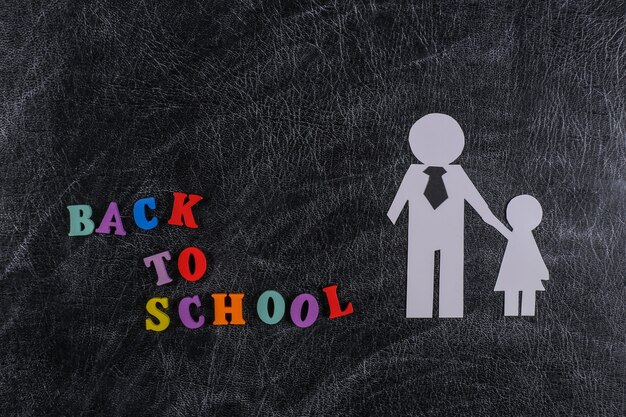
column 522, row 267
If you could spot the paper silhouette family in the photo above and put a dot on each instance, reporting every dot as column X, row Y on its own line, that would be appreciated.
column 436, row 192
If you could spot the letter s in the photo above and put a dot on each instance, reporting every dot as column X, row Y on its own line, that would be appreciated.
column 161, row 316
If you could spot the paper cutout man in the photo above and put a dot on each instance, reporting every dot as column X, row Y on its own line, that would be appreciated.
column 522, row 267
column 436, row 193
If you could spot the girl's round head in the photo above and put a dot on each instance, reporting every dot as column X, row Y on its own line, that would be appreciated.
column 524, row 212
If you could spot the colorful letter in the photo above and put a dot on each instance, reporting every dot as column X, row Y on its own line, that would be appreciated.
column 181, row 210
column 185, row 314
column 235, row 309
column 296, row 310
column 159, row 266
column 111, row 218
column 333, row 303
column 161, row 316
column 139, row 213
column 199, row 260
column 80, row 220
column 262, row 307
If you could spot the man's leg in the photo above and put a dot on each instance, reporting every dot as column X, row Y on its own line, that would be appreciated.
column 420, row 284
column 451, row 280
column 511, row 303
column 528, row 303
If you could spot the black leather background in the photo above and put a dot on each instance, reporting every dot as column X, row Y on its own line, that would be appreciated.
column 292, row 120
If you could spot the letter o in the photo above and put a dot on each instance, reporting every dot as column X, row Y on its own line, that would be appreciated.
column 263, row 304
column 296, row 310
column 183, row 264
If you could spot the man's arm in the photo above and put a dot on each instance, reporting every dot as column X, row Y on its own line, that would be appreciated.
column 473, row 197
column 401, row 198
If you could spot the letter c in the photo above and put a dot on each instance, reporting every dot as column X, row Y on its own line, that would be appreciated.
column 139, row 212
column 185, row 314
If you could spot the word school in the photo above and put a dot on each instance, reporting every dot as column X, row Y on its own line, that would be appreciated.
column 270, row 306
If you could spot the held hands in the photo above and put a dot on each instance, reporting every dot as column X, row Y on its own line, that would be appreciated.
column 497, row 224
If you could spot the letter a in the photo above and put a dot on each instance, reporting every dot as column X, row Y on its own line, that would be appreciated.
column 111, row 219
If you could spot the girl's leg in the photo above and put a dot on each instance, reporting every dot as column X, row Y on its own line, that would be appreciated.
column 511, row 303
column 528, row 303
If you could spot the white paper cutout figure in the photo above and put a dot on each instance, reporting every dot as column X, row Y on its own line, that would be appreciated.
column 436, row 199
column 522, row 267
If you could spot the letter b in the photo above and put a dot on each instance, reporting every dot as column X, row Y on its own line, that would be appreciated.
column 80, row 220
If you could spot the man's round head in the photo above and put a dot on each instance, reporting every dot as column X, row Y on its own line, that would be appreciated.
column 436, row 139
column 524, row 212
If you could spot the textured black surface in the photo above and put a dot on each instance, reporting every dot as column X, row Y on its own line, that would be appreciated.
column 292, row 121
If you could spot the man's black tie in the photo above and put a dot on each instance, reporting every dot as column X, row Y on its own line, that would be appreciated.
column 435, row 191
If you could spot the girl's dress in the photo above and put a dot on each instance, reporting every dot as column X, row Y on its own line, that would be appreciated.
column 522, row 267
